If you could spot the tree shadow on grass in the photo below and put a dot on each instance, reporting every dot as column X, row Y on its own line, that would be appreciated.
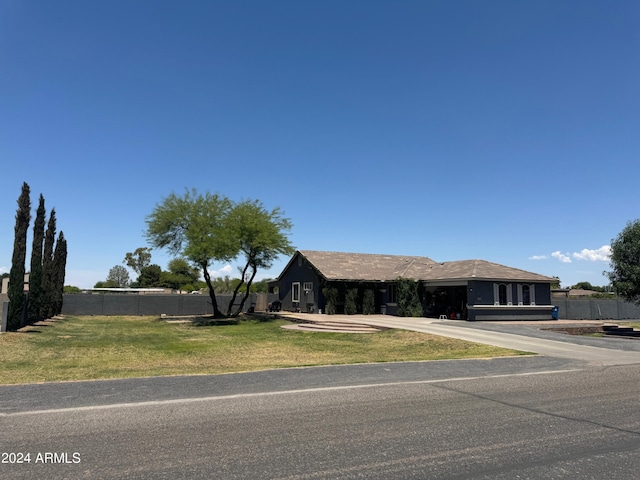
column 262, row 317
column 208, row 322
column 33, row 327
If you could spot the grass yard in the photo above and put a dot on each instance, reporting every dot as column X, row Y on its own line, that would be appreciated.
column 635, row 325
column 81, row 348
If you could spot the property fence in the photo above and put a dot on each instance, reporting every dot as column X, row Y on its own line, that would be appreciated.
column 129, row 304
column 596, row 309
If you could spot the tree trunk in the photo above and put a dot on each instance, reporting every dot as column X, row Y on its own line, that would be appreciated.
column 235, row 292
column 214, row 303
column 246, row 293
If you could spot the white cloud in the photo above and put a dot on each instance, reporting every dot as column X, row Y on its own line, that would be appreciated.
column 601, row 254
column 561, row 256
column 4, row 270
column 226, row 270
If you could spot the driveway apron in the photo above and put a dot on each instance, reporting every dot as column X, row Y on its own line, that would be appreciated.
column 563, row 347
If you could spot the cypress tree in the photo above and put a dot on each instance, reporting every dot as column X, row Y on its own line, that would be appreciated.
column 16, row 275
column 47, row 267
column 59, row 266
column 35, row 275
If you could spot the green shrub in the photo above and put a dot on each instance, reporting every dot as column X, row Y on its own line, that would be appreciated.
column 369, row 302
column 351, row 301
column 408, row 299
column 331, row 297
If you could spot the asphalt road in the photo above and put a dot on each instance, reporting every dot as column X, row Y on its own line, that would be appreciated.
column 568, row 424
column 542, row 417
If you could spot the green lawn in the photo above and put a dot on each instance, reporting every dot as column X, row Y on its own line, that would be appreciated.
column 79, row 348
column 635, row 325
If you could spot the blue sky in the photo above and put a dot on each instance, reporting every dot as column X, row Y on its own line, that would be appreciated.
column 500, row 130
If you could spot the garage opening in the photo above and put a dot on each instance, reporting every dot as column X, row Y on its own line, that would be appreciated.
column 450, row 301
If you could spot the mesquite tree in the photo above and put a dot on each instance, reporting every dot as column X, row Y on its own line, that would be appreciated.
column 211, row 228
column 191, row 226
column 262, row 236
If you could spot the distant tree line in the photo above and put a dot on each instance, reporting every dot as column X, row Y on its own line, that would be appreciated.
column 227, row 285
column 593, row 288
column 47, row 266
column 181, row 275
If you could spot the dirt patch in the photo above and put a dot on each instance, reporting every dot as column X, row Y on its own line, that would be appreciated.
column 207, row 319
column 199, row 319
column 577, row 330
column 604, row 330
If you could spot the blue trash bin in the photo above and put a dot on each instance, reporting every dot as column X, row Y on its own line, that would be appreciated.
column 554, row 313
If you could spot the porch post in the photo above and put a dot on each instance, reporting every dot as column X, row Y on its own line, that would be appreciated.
column 383, row 298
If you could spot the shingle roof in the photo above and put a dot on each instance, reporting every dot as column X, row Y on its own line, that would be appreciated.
column 364, row 266
column 481, row 270
column 374, row 267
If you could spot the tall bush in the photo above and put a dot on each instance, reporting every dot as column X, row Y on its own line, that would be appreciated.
column 408, row 299
column 331, row 297
column 59, row 269
column 351, row 301
column 16, row 274
column 368, row 302
column 35, row 276
column 48, row 274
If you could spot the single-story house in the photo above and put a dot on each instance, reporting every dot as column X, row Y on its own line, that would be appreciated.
column 466, row 289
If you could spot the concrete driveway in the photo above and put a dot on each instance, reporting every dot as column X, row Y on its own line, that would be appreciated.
column 524, row 336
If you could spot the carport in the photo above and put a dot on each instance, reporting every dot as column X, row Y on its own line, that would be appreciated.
column 447, row 300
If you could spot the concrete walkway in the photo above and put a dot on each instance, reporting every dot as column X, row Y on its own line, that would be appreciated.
column 565, row 346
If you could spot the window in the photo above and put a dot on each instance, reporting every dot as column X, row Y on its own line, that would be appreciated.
column 526, row 294
column 308, row 286
column 532, row 294
column 295, row 292
column 502, row 294
column 393, row 294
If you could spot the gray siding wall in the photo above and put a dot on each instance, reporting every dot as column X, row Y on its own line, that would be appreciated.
column 543, row 294
column 300, row 273
column 481, row 293
column 523, row 313
column 568, row 309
